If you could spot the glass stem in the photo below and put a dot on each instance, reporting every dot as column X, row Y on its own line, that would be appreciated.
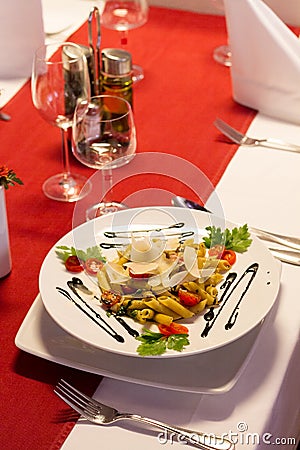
column 107, row 182
column 65, row 149
column 124, row 39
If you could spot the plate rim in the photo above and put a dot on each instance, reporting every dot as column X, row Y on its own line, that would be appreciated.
column 23, row 337
column 185, row 352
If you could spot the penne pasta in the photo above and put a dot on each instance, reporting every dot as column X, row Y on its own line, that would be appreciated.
column 160, row 308
column 193, row 286
column 177, row 307
column 223, row 265
column 212, row 290
column 214, row 279
column 164, row 319
column 201, row 252
column 142, row 315
column 197, row 309
column 134, row 304
column 206, row 296
column 147, row 296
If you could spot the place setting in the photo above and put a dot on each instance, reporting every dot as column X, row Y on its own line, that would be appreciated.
column 154, row 273
column 68, row 324
column 78, row 305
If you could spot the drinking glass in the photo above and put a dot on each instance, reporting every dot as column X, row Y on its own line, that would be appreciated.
column 222, row 54
column 59, row 80
column 104, row 138
column 125, row 15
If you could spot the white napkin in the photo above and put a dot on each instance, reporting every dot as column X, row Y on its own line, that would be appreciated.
column 265, row 68
column 21, row 33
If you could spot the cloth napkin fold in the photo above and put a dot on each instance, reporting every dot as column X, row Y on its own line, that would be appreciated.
column 21, row 33
column 265, row 68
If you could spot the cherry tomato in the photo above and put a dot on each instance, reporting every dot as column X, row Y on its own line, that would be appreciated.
column 110, row 298
column 174, row 328
column 217, row 250
column 73, row 264
column 187, row 298
column 230, row 256
column 138, row 275
column 92, row 266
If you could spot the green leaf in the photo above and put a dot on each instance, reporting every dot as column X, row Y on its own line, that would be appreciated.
column 215, row 237
column 177, row 342
column 238, row 239
column 156, row 343
column 149, row 336
column 63, row 252
column 155, row 347
column 63, row 255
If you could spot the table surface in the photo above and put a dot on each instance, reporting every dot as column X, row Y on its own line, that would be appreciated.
column 184, row 90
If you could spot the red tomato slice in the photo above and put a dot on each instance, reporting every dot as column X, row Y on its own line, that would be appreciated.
column 138, row 275
column 174, row 328
column 110, row 298
column 217, row 250
column 92, row 266
column 230, row 256
column 187, row 298
column 73, row 264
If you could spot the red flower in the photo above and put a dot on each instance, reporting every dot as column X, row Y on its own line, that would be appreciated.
column 4, row 171
column 8, row 177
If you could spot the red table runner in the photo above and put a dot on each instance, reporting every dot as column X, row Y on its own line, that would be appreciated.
column 184, row 90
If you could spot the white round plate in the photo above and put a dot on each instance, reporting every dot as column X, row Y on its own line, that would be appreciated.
column 243, row 309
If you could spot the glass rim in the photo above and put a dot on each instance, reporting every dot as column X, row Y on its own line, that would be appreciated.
column 89, row 101
column 56, row 46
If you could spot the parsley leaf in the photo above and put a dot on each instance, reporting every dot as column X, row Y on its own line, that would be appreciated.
column 156, row 343
column 177, row 342
column 63, row 252
column 238, row 239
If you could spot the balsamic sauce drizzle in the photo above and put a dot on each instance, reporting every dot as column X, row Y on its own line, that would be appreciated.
column 232, row 319
column 181, row 236
column 209, row 316
column 114, row 234
column 77, row 283
column 122, row 322
column 109, row 330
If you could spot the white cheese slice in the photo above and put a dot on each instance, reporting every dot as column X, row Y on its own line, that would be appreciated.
column 191, row 262
column 140, row 268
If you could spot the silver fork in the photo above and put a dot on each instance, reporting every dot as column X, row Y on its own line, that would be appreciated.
column 243, row 139
column 100, row 414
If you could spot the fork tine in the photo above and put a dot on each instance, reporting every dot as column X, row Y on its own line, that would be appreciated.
column 77, row 400
column 66, row 385
column 74, row 406
column 230, row 132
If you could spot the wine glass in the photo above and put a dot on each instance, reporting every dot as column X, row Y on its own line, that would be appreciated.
column 104, row 138
column 125, row 15
column 60, row 79
column 222, row 54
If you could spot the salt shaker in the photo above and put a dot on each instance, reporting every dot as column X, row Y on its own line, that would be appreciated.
column 116, row 73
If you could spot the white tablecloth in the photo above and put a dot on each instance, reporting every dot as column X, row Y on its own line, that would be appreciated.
column 260, row 187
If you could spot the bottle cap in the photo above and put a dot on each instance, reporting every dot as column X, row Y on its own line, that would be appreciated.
column 116, row 61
